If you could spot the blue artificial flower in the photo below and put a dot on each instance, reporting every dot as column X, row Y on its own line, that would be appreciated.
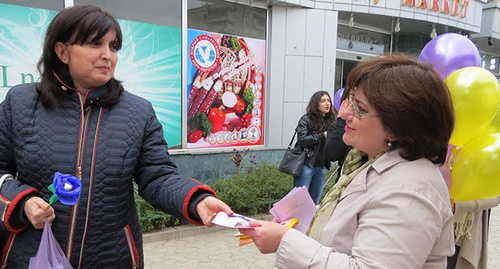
column 66, row 188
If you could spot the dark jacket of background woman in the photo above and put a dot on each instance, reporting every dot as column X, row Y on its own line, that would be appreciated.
column 335, row 149
column 310, row 140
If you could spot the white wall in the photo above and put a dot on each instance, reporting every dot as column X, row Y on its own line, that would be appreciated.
column 490, row 26
column 302, row 61
column 395, row 8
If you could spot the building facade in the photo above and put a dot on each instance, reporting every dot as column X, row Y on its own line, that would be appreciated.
column 248, row 67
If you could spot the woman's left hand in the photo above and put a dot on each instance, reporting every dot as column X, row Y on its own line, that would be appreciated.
column 266, row 235
column 343, row 110
column 208, row 208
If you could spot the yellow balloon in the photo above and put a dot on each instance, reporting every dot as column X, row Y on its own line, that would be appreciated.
column 475, row 93
column 476, row 170
column 494, row 126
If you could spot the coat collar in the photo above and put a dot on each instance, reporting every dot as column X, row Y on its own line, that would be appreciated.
column 383, row 163
column 387, row 160
column 91, row 98
column 95, row 95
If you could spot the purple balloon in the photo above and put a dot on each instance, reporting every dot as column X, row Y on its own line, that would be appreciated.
column 337, row 99
column 449, row 53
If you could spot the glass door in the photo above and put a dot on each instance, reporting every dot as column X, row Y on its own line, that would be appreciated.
column 343, row 68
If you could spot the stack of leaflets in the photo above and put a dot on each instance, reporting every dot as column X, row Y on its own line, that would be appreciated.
column 295, row 210
column 296, row 204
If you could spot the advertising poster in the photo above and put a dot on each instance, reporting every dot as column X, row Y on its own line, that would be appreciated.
column 22, row 32
column 149, row 63
column 225, row 90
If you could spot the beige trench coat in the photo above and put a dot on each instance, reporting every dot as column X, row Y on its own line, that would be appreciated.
column 394, row 214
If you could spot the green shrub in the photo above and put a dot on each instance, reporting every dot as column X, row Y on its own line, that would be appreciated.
column 152, row 219
column 248, row 194
column 254, row 192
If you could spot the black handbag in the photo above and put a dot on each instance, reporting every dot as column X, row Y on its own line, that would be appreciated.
column 293, row 160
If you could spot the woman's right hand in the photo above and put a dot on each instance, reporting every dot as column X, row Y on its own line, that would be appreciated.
column 266, row 235
column 37, row 210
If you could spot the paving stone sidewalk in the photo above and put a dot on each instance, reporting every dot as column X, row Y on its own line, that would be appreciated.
column 189, row 247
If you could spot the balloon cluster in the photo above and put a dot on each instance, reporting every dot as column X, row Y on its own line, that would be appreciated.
column 472, row 166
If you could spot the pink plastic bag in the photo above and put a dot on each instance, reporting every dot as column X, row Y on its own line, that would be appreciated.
column 49, row 254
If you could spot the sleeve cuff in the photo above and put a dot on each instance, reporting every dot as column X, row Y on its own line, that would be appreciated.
column 11, row 208
column 18, row 217
column 197, row 197
column 296, row 250
column 193, row 194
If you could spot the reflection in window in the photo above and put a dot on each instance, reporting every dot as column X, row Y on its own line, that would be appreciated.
column 228, row 18
column 46, row 4
column 163, row 12
column 490, row 63
column 410, row 43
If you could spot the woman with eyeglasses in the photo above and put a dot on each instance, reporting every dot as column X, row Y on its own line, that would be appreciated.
column 391, row 207
column 311, row 133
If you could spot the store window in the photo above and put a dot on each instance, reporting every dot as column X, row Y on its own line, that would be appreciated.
column 45, row 4
column 490, row 63
column 410, row 43
column 150, row 61
column 228, row 18
column 225, row 72
column 162, row 12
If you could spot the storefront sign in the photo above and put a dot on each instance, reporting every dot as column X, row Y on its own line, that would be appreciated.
column 149, row 62
column 360, row 40
column 457, row 7
column 225, row 90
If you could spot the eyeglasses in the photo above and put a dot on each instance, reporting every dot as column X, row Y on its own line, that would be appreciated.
column 357, row 110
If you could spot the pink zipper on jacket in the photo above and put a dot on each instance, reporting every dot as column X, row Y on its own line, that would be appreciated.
column 82, row 137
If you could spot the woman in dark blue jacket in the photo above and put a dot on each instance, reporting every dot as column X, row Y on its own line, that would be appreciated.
column 311, row 133
column 80, row 121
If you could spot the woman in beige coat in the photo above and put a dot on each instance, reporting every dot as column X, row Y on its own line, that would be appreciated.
column 390, row 207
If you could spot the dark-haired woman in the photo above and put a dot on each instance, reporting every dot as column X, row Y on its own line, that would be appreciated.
column 391, row 207
column 311, row 133
column 80, row 121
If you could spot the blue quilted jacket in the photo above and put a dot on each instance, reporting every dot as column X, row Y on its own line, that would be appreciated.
column 107, row 148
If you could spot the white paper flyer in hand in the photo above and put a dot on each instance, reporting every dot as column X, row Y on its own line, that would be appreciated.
column 296, row 204
column 234, row 220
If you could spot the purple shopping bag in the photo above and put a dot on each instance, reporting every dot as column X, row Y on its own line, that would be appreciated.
column 49, row 254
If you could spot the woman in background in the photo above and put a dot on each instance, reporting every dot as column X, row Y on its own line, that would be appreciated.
column 311, row 133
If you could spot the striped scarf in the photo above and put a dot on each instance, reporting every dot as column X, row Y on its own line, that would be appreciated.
column 353, row 164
